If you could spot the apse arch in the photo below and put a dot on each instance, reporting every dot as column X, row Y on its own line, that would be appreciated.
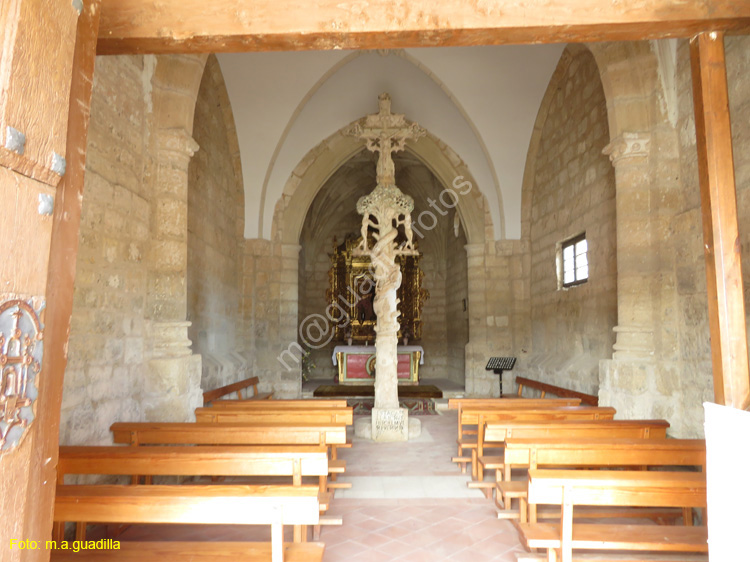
column 415, row 94
column 321, row 162
column 427, row 72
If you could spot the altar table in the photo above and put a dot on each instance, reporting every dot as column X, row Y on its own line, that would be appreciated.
column 356, row 363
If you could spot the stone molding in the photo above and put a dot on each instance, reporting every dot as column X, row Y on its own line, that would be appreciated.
column 170, row 339
column 628, row 147
column 474, row 250
column 178, row 141
column 633, row 342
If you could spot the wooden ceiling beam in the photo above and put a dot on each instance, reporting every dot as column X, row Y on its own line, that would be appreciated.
column 192, row 26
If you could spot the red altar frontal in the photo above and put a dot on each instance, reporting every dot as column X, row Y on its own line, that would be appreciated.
column 356, row 364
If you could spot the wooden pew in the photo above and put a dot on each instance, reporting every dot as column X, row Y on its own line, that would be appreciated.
column 292, row 461
column 564, row 452
column 304, row 403
column 495, row 434
column 481, row 416
column 571, row 488
column 238, row 505
column 238, row 387
column 467, row 437
column 147, row 433
column 545, row 388
column 275, row 415
column 271, row 414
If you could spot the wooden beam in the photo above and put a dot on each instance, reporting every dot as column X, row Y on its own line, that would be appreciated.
column 726, row 303
column 172, row 26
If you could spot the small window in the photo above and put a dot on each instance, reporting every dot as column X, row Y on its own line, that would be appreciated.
column 575, row 261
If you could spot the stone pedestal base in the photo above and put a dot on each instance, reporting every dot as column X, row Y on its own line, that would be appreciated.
column 363, row 428
column 390, row 424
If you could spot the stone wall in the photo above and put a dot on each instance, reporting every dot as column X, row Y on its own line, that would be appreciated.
column 270, row 311
column 661, row 366
column 573, row 193
column 107, row 349
column 692, row 383
column 434, row 321
column 456, row 306
column 314, row 279
column 129, row 358
column 215, row 236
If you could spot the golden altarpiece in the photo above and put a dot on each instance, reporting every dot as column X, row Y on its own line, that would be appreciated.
column 352, row 290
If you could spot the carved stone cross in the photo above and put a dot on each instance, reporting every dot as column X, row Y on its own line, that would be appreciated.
column 385, row 210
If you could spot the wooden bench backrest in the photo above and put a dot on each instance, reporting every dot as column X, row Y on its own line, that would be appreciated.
column 566, row 451
column 282, row 415
column 589, row 399
column 307, row 404
column 502, row 404
column 295, row 461
column 617, row 488
column 498, row 432
column 484, row 415
column 210, row 504
column 460, row 403
column 228, row 434
column 238, row 387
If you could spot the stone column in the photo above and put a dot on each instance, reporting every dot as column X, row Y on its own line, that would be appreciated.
column 172, row 390
column 167, row 288
column 629, row 154
column 625, row 380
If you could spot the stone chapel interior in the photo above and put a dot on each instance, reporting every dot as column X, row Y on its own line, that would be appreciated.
column 216, row 271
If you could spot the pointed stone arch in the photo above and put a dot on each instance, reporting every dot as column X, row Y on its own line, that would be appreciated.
column 322, row 161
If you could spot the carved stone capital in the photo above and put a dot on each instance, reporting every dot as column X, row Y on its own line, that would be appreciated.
column 628, row 147
column 177, row 140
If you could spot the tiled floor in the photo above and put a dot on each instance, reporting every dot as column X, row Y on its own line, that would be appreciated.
column 407, row 502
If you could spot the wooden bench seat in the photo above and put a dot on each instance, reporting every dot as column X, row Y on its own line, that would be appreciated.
column 304, row 403
column 565, row 452
column 466, row 431
column 482, row 416
column 274, row 460
column 281, row 414
column 572, row 488
column 239, row 387
column 294, row 462
column 496, row 433
column 620, row 537
column 145, row 433
column 193, row 552
column 545, row 388
column 236, row 505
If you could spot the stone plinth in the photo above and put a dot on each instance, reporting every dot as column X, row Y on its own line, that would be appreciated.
column 390, row 424
column 363, row 428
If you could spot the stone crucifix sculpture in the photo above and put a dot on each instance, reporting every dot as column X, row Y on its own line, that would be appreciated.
column 385, row 210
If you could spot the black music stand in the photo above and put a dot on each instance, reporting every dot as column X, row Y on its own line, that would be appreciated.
column 499, row 364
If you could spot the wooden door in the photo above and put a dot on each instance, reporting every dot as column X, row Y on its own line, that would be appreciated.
column 46, row 71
